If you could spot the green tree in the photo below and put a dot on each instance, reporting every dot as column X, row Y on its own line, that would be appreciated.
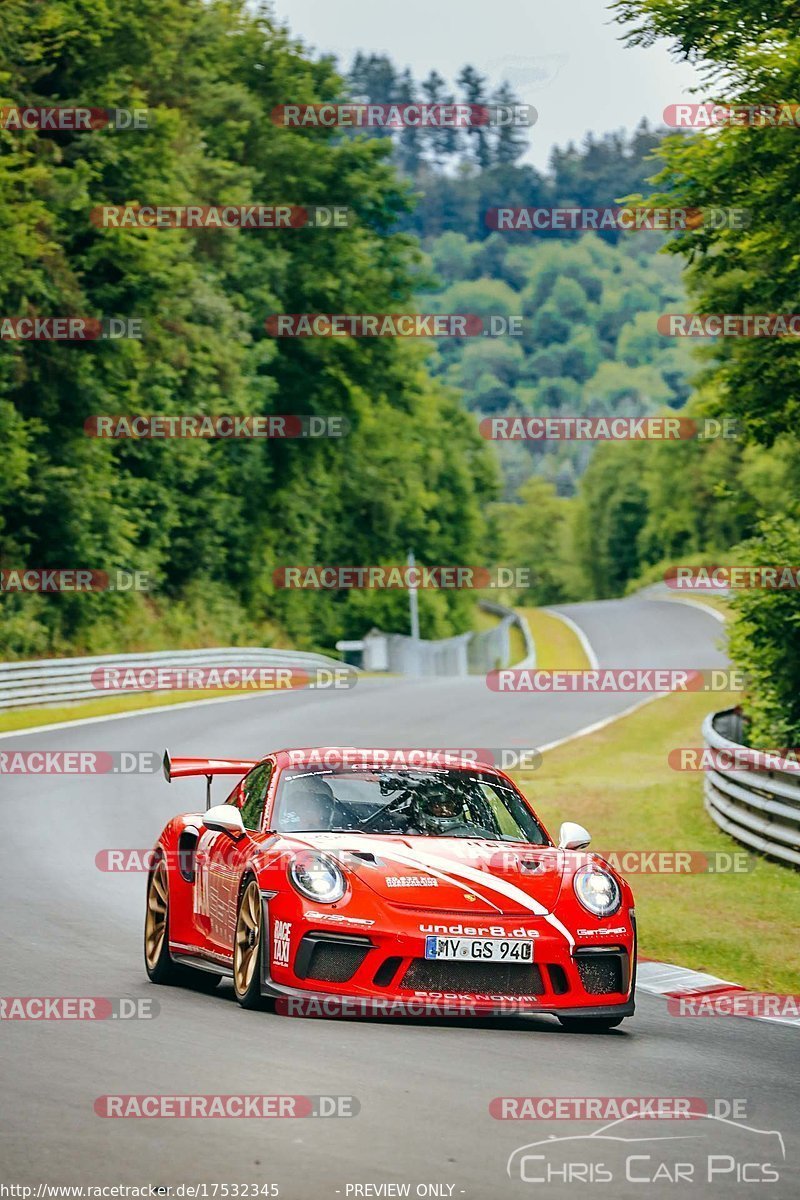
column 473, row 86
column 764, row 638
column 610, row 518
column 209, row 520
column 749, row 54
column 535, row 532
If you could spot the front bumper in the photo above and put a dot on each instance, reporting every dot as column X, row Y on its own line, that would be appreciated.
column 384, row 973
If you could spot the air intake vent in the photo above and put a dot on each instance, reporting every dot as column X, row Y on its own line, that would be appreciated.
column 508, row 979
column 329, row 958
column 558, row 979
column 600, row 973
column 387, row 971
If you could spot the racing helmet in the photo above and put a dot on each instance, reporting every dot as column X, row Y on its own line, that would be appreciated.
column 440, row 812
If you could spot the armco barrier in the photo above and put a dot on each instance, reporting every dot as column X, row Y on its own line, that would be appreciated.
column 758, row 806
column 55, row 680
column 466, row 653
column 508, row 617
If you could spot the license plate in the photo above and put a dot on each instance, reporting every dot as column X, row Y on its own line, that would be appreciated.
column 463, row 949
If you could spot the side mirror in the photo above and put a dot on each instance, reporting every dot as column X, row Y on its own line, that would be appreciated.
column 226, row 819
column 572, row 836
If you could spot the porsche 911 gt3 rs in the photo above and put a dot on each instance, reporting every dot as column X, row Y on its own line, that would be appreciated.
column 335, row 874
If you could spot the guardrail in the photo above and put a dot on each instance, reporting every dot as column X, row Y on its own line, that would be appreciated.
column 754, row 800
column 508, row 618
column 52, row 680
column 466, row 653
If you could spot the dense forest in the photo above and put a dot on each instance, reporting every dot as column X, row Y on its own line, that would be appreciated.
column 589, row 343
column 458, row 174
column 599, row 521
column 211, row 520
column 208, row 521
column 642, row 506
column 589, row 302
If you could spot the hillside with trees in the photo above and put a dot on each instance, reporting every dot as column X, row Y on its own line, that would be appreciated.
column 209, row 520
column 642, row 507
column 589, row 302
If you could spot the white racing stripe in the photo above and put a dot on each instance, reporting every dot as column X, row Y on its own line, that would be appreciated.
column 554, row 921
column 419, row 864
column 433, row 863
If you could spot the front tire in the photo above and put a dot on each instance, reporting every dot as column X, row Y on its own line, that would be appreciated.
column 157, row 959
column 590, row 1024
column 248, row 947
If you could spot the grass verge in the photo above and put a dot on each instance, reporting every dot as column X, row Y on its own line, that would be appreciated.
column 618, row 784
column 557, row 646
column 28, row 718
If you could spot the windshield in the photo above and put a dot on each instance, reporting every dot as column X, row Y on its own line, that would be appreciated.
column 430, row 803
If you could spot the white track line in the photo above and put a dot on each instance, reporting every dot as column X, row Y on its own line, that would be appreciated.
column 626, row 712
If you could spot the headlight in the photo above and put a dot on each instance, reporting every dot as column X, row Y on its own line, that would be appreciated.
column 317, row 878
column 597, row 891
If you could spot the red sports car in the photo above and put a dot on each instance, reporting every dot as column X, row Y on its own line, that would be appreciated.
column 368, row 881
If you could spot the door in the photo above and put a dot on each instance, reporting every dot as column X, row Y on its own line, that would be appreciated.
column 221, row 861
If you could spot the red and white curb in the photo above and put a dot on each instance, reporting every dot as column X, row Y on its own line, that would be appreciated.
column 682, row 983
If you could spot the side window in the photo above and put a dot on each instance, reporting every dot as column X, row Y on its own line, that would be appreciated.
column 254, row 791
column 508, row 826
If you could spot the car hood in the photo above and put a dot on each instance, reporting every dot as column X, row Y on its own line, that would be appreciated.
column 449, row 874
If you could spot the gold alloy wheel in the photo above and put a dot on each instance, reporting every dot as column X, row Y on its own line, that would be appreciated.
column 155, row 928
column 248, row 936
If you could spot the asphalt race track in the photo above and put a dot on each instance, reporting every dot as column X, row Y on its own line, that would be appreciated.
column 424, row 1087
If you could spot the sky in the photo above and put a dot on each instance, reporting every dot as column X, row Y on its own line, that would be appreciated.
column 565, row 58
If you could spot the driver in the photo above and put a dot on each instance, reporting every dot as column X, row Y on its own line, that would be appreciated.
column 309, row 806
column 440, row 814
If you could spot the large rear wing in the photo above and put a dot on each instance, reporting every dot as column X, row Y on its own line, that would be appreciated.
column 181, row 768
